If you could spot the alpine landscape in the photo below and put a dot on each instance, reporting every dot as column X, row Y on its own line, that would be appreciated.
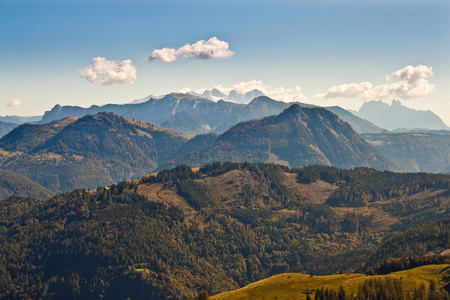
column 225, row 150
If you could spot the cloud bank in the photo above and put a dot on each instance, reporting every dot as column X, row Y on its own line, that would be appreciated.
column 108, row 72
column 212, row 48
column 410, row 82
column 291, row 94
column 14, row 102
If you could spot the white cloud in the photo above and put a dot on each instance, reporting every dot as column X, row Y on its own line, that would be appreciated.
column 108, row 72
column 287, row 94
column 292, row 94
column 411, row 82
column 212, row 48
column 164, row 55
column 14, row 102
column 350, row 90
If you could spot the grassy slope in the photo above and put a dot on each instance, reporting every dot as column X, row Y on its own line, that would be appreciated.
column 294, row 286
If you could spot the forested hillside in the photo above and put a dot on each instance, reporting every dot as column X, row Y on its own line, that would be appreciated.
column 431, row 238
column 171, row 235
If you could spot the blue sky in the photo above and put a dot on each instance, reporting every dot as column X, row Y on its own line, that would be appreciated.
column 312, row 45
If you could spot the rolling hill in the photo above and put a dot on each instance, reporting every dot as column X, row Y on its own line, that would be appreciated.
column 296, row 137
column 297, row 286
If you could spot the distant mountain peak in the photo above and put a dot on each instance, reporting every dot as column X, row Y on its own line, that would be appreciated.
column 216, row 93
column 396, row 115
column 56, row 108
column 249, row 96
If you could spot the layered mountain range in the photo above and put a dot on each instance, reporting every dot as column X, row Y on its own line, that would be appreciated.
column 280, row 188
column 296, row 137
column 214, row 111
column 20, row 119
column 193, row 114
column 97, row 150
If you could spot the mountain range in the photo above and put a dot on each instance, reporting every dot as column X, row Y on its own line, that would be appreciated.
column 97, row 150
column 214, row 111
column 297, row 137
column 193, row 114
column 398, row 116
column 182, row 112
column 20, row 119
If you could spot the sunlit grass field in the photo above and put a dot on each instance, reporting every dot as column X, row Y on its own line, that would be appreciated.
column 295, row 286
